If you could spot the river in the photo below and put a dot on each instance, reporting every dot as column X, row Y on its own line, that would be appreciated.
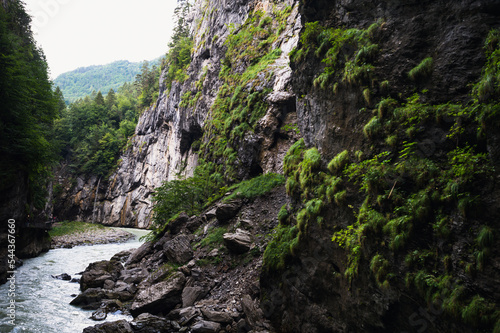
column 42, row 302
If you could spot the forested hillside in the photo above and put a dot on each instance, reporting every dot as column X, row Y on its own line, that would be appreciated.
column 92, row 131
column 28, row 107
column 83, row 81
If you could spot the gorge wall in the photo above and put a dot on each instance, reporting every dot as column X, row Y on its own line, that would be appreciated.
column 162, row 147
column 383, row 116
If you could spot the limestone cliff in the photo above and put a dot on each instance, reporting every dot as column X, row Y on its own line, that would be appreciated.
column 161, row 148
column 383, row 116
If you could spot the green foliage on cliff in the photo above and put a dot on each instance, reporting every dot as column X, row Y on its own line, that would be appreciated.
column 192, row 194
column 346, row 53
column 147, row 84
column 411, row 191
column 240, row 102
column 281, row 247
column 422, row 70
column 183, row 195
column 27, row 107
column 255, row 187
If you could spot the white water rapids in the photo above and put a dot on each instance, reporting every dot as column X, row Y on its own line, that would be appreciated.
column 42, row 302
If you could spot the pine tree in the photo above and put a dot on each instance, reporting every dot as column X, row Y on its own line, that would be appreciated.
column 99, row 99
column 110, row 99
column 60, row 100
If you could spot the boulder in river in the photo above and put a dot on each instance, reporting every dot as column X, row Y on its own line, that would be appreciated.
column 92, row 298
column 96, row 274
column 99, row 315
column 148, row 323
column 63, row 276
column 121, row 326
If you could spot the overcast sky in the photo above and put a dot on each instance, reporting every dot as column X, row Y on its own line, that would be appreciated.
column 79, row 33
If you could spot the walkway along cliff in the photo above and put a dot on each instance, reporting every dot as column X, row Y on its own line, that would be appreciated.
column 383, row 118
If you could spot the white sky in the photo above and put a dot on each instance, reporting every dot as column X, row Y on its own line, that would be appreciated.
column 79, row 33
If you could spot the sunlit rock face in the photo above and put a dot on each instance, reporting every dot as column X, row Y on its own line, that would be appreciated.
column 161, row 148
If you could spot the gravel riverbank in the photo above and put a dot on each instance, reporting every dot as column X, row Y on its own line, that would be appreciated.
column 91, row 237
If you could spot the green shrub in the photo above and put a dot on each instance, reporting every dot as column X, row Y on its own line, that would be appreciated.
column 367, row 96
column 485, row 237
column 333, row 188
column 367, row 53
column 188, row 195
column 282, row 246
column 347, row 50
column 340, row 197
column 380, row 268
column 466, row 204
column 372, row 128
column 292, row 186
column 293, row 157
column 488, row 88
column 356, row 74
column 477, row 312
column 484, row 241
column 214, row 238
column 339, row 162
column 322, row 80
column 385, row 107
column 308, row 167
column 422, row 70
column 392, row 140
column 283, row 215
column 384, row 86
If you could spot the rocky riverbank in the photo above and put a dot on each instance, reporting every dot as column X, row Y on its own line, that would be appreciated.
column 201, row 275
column 91, row 237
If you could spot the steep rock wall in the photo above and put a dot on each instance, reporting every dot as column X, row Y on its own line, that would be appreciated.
column 333, row 117
column 364, row 280
column 161, row 148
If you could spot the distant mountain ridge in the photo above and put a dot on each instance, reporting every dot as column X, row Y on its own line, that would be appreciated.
column 84, row 80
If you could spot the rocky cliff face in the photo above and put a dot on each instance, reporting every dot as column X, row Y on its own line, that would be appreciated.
column 389, row 219
column 362, row 281
column 162, row 147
